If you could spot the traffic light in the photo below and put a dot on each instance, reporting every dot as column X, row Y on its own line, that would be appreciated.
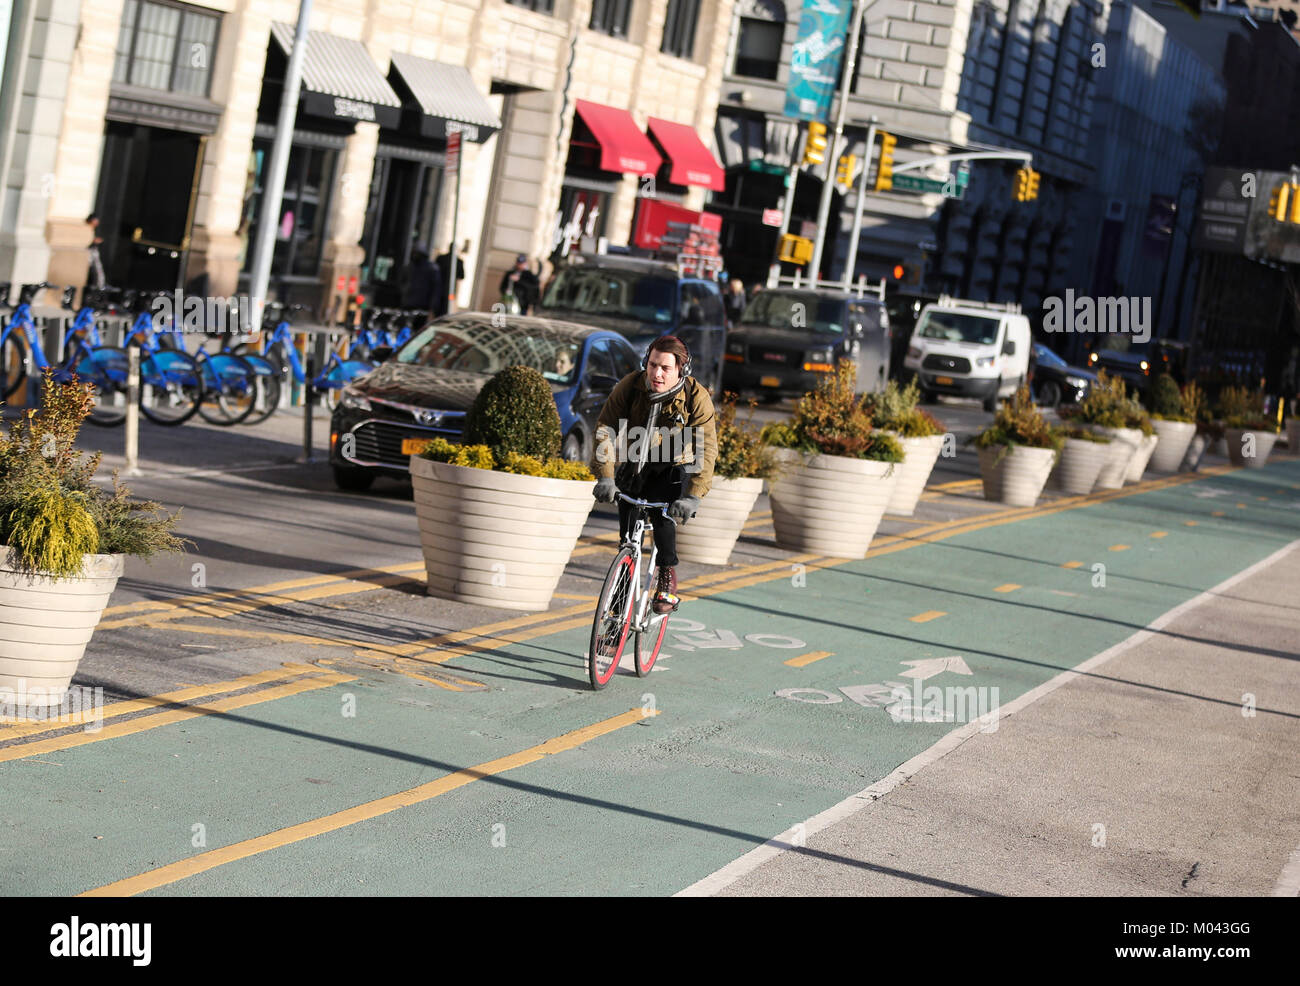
column 1022, row 185
column 885, row 173
column 1031, row 191
column 1278, row 201
column 1295, row 203
column 844, row 173
column 795, row 249
column 814, row 149
column 907, row 273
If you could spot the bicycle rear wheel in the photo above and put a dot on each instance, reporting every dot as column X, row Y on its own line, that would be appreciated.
column 14, row 358
column 171, row 387
column 648, row 641
column 105, row 368
column 231, row 389
column 267, row 381
column 613, row 618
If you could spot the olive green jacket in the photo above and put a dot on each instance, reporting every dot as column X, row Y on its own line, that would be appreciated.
column 687, row 421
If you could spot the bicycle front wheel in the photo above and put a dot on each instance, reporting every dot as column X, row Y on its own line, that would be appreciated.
column 14, row 358
column 171, row 387
column 231, row 394
column 613, row 618
column 267, row 383
column 105, row 368
column 648, row 641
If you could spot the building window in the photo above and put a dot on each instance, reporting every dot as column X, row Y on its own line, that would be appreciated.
column 611, row 17
column 679, row 28
column 300, row 234
column 758, row 51
column 541, row 6
column 166, row 46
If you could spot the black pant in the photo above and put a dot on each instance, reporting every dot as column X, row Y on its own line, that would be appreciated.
column 661, row 485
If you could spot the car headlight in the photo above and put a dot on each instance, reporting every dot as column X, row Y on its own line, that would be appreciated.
column 736, row 347
column 819, row 356
column 1145, row 366
column 1092, row 357
column 1078, row 382
column 913, row 352
column 985, row 360
column 354, row 399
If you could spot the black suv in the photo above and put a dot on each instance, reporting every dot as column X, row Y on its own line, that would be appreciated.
column 789, row 338
column 642, row 300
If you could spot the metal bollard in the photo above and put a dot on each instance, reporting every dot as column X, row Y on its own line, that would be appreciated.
column 132, row 410
column 309, row 399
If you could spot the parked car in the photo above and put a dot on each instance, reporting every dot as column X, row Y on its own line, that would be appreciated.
column 970, row 349
column 1131, row 365
column 1056, row 382
column 789, row 338
column 429, row 385
column 642, row 300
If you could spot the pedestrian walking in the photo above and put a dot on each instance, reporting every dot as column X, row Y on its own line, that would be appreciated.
column 734, row 300
column 423, row 282
column 95, row 275
column 520, row 287
column 444, row 268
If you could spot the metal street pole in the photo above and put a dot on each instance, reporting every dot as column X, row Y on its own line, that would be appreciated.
column 824, row 210
column 787, row 207
column 851, row 262
column 268, row 220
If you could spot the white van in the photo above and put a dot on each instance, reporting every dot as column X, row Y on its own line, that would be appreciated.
column 970, row 349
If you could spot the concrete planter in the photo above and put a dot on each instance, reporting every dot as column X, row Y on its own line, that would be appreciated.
column 830, row 504
column 1264, row 441
column 1195, row 452
column 45, row 624
column 494, row 538
column 1016, row 478
column 1138, row 464
column 1293, row 435
column 1124, row 444
column 1080, row 465
column 1175, row 438
column 913, row 472
column 711, row 534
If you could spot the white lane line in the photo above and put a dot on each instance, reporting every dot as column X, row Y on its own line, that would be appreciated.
column 721, row 879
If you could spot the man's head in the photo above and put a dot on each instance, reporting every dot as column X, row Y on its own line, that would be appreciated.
column 521, row 262
column 663, row 371
column 737, row 286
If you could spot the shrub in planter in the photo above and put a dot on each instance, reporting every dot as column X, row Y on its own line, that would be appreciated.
column 840, row 471
column 744, row 461
column 1017, row 452
column 1106, row 409
column 895, row 410
column 499, row 521
column 65, row 540
column 1173, row 416
column 1248, row 431
column 1083, row 454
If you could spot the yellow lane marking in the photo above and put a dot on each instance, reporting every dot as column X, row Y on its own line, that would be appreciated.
column 956, row 484
column 927, row 616
column 572, row 595
column 130, row 726
column 1008, row 587
column 112, row 711
column 1118, row 547
column 1241, row 506
column 1261, row 498
column 1073, row 564
column 360, row 813
column 1190, row 523
column 803, row 660
column 1159, row 534
column 1216, row 513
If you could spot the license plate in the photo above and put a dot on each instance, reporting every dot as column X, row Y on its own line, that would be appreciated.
column 944, row 380
column 413, row 446
column 770, row 381
column 774, row 357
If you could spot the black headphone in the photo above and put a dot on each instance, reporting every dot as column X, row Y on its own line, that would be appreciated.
column 686, row 367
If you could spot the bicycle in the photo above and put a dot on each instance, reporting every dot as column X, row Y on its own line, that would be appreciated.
column 624, row 605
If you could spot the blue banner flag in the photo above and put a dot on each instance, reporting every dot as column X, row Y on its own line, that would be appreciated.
column 815, row 61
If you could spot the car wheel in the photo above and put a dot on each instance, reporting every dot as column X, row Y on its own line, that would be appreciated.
column 991, row 403
column 1049, row 394
column 353, row 480
column 928, row 396
column 574, row 448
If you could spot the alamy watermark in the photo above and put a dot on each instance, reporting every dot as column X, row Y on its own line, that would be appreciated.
column 181, row 312
column 75, row 706
column 951, row 704
column 1088, row 314
column 666, row 444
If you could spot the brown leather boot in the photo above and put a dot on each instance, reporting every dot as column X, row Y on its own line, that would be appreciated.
column 665, row 599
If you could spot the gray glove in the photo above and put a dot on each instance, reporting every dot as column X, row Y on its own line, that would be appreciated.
column 684, row 509
column 604, row 491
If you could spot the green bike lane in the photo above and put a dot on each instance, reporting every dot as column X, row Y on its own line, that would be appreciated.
column 732, row 758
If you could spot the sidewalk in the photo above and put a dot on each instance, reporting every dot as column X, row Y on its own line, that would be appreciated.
column 1195, row 797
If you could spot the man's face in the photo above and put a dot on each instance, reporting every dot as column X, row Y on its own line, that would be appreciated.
column 662, row 371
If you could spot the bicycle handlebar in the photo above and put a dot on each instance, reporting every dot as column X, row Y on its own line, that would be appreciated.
column 648, row 504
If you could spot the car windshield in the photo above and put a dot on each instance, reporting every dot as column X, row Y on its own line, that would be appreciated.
column 795, row 311
column 480, row 347
column 957, row 327
column 621, row 293
column 1046, row 357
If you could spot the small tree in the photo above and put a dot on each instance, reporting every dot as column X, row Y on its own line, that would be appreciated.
column 515, row 412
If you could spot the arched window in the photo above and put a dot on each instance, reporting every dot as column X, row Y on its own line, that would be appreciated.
column 758, row 46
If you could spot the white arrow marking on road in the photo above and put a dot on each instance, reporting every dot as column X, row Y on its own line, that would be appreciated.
column 932, row 666
column 720, row 638
column 1209, row 491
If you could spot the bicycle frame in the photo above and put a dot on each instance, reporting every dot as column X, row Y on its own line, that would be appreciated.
column 634, row 539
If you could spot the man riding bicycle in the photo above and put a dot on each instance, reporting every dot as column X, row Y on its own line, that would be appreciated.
column 656, row 439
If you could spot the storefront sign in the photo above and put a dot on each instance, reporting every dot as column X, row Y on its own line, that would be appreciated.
column 453, row 151
column 467, row 131
column 353, row 109
column 583, row 222
column 815, row 58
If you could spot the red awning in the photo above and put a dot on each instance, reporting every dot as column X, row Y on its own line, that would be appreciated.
column 693, row 163
column 623, row 147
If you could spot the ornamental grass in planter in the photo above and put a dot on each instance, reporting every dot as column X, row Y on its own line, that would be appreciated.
column 840, row 472
column 895, row 411
column 1106, row 409
column 65, row 538
column 1083, row 454
column 500, row 515
column 744, row 461
column 1246, row 427
column 1017, row 452
column 1173, row 416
